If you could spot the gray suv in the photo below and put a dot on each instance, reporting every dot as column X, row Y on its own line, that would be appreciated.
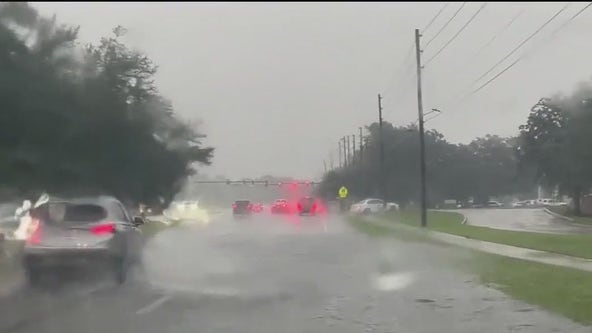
column 82, row 232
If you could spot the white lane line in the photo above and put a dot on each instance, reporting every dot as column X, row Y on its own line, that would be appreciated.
column 155, row 304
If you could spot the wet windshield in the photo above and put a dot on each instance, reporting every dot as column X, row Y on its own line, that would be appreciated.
column 295, row 167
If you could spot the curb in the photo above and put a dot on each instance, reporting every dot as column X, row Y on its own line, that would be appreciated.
column 548, row 211
column 464, row 220
column 531, row 255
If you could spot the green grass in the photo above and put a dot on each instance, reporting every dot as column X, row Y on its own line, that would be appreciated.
column 561, row 290
column 579, row 245
column 402, row 233
column 370, row 229
column 568, row 212
column 565, row 291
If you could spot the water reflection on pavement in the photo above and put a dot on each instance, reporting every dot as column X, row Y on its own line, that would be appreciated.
column 291, row 274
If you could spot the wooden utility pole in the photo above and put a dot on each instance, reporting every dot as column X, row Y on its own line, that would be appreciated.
column 422, row 166
column 344, row 152
column 340, row 160
column 348, row 152
column 361, row 146
column 353, row 149
column 383, row 182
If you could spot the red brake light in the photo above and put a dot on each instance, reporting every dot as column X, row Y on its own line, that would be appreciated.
column 35, row 236
column 299, row 206
column 102, row 229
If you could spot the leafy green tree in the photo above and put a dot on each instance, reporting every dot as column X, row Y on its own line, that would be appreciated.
column 555, row 140
column 486, row 167
column 86, row 119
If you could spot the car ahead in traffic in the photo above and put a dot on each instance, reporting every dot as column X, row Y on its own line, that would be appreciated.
column 241, row 208
column 257, row 207
column 82, row 233
column 307, row 206
column 280, row 206
column 371, row 206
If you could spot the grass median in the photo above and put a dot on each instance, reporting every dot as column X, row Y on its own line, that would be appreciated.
column 579, row 245
column 565, row 291
column 557, row 289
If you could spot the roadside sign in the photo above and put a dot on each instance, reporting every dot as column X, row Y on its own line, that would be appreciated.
column 342, row 192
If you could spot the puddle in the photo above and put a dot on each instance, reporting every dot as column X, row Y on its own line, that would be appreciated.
column 393, row 281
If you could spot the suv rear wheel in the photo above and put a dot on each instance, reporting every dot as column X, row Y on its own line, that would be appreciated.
column 120, row 270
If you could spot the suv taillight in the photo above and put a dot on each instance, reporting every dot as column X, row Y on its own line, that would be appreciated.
column 102, row 229
column 34, row 236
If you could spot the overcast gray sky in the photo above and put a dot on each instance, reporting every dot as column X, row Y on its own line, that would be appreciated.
column 277, row 84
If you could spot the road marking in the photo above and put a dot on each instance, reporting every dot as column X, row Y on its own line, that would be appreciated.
column 155, row 304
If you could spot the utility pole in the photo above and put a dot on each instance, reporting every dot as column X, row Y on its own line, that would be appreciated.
column 344, row 152
column 340, row 161
column 424, row 208
column 383, row 182
column 348, row 151
column 354, row 148
column 361, row 146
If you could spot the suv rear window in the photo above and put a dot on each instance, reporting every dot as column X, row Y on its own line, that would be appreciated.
column 242, row 203
column 67, row 213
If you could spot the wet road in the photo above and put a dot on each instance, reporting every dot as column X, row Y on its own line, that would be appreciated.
column 524, row 219
column 281, row 275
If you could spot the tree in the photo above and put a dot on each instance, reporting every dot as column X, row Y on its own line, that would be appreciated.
column 486, row 167
column 555, row 140
column 86, row 119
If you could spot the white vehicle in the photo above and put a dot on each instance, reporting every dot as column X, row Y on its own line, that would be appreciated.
column 521, row 204
column 186, row 205
column 494, row 204
column 550, row 202
column 369, row 206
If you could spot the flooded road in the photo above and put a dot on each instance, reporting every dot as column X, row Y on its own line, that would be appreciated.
column 523, row 219
column 282, row 274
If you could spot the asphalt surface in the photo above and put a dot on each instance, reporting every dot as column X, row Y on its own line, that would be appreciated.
column 280, row 275
column 523, row 219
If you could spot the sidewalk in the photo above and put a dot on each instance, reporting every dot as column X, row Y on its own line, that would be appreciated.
column 500, row 249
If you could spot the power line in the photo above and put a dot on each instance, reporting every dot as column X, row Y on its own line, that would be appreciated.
column 522, row 43
column 457, row 33
column 399, row 73
column 499, row 33
column 446, row 24
column 506, row 26
column 435, row 17
column 526, row 53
